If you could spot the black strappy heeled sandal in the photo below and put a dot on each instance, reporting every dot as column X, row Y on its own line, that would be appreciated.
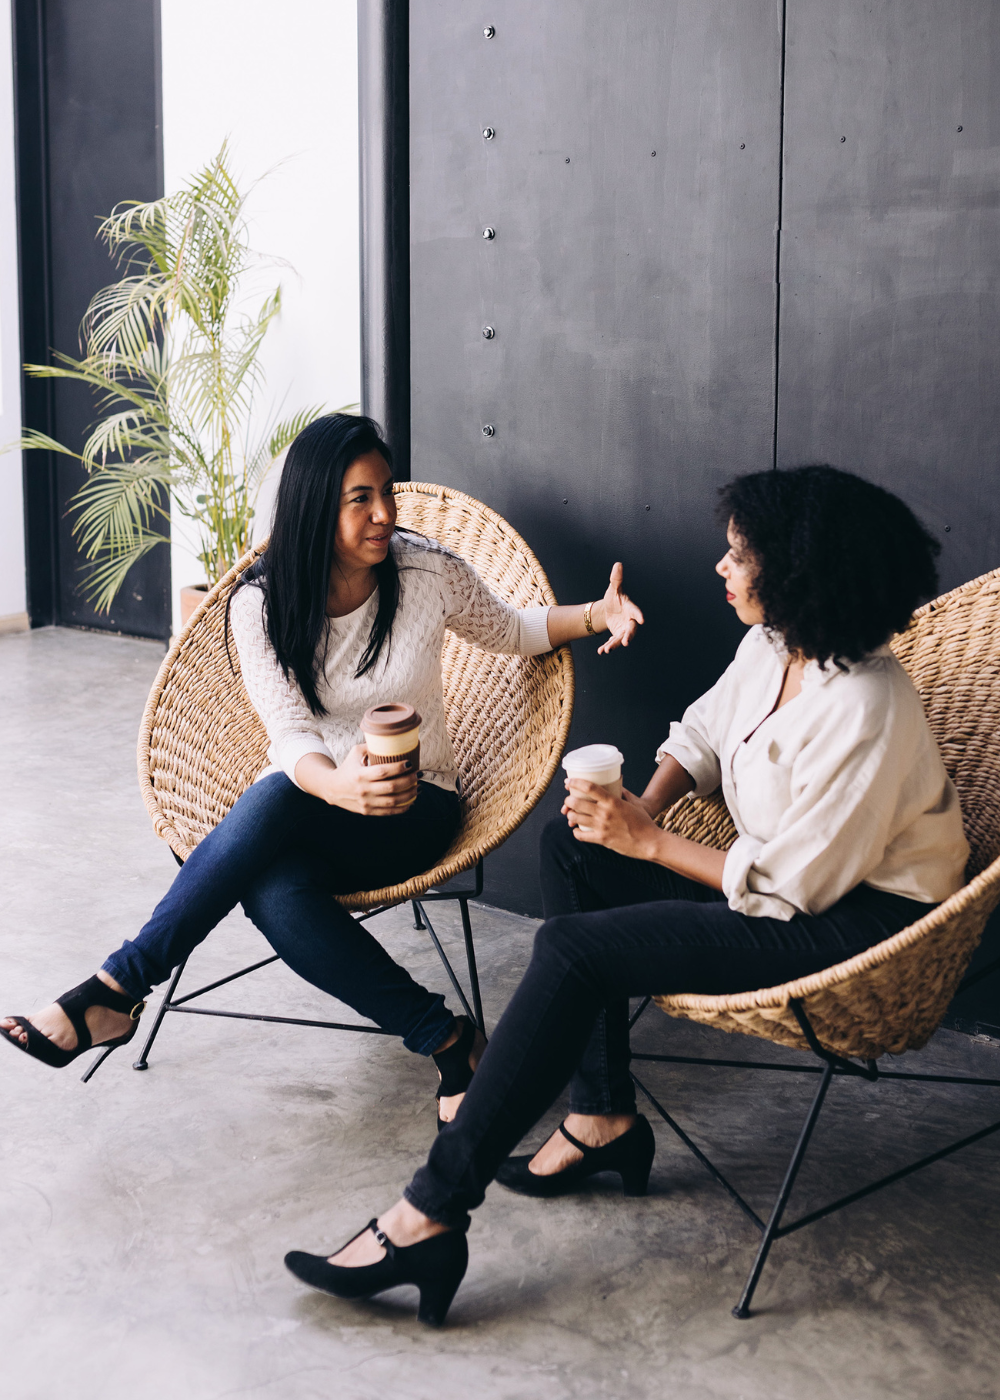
column 436, row 1266
column 75, row 1003
column 453, row 1066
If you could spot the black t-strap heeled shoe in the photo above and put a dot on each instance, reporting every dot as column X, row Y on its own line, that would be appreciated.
column 453, row 1066
column 437, row 1266
column 630, row 1155
column 75, row 1004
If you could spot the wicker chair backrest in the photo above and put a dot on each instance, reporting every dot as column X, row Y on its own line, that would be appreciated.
column 952, row 651
column 201, row 744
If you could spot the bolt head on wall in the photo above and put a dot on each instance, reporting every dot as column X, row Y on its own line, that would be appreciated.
column 488, row 430
column 488, row 133
column 489, row 233
column 488, row 32
column 488, row 332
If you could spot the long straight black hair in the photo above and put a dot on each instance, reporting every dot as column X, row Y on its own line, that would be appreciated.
column 294, row 570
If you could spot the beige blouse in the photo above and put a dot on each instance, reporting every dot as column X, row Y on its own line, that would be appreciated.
column 843, row 785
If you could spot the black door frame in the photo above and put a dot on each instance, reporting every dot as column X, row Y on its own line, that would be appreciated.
column 384, row 140
column 35, row 279
column 52, row 304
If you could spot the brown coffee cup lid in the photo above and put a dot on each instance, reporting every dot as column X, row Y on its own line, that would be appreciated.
column 393, row 718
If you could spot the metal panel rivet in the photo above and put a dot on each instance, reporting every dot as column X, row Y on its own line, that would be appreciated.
column 565, row 500
column 958, row 128
column 488, row 332
column 488, row 133
column 843, row 139
column 647, row 507
column 947, row 529
column 488, row 32
column 652, row 153
column 488, row 430
column 567, row 160
column 743, row 145
column 489, row 233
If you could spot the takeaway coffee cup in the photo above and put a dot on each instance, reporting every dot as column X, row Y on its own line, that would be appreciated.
column 392, row 734
column 597, row 763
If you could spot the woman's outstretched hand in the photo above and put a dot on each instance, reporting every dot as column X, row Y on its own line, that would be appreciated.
column 621, row 616
column 614, row 613
column 623, row 824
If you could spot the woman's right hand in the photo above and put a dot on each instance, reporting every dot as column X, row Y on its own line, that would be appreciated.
column 375, row 790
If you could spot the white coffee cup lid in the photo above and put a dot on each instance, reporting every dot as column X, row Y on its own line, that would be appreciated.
column 592, row 758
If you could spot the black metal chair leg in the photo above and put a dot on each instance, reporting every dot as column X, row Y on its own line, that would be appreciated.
column 742, row 1308
column 143, row 1061
column 470, row 954
column 638, row 1011
column 417, row 920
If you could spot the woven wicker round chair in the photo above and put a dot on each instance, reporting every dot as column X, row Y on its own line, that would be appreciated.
column 892, row 997
column 201, row 743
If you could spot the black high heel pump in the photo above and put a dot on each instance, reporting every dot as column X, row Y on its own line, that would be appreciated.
column 630, row 1155
column 75, row 1003
column 436, row 1266
column 453, row 1066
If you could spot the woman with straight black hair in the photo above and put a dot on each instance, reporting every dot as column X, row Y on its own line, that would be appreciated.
column 849, row 830
column 341, row 612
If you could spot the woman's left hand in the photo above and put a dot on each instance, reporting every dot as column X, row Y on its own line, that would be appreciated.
column 621, row 616
column 620, row 823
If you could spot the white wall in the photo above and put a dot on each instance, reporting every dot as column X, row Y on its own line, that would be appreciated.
column 280, row 79
column 12, row 582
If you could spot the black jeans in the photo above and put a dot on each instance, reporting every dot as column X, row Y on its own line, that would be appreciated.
column 641, row 929
column 282, row 853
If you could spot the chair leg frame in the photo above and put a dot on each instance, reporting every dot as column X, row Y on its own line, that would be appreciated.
column 830, row 1066
column 172, row 1002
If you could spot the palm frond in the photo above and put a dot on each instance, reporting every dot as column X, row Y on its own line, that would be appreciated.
column 279, row 436
column 103, row 581
column 33, row 441
column 117, row 505
column 173, row 361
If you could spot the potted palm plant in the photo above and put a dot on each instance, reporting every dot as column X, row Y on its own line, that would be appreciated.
column 172, row 353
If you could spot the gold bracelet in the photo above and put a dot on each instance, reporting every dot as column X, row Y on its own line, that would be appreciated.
column 586, row 619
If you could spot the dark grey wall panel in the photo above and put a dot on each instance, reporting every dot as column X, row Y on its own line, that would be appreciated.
column 890, row 263
column 632, row 297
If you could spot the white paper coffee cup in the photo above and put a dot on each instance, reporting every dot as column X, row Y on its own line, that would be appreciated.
column 597, row 763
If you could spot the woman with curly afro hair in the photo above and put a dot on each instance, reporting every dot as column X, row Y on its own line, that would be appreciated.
column 849, row 829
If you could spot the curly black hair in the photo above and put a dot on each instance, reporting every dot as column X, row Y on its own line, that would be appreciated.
column 838, row 563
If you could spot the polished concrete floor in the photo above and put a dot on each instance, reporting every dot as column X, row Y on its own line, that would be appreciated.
column 144, row 1216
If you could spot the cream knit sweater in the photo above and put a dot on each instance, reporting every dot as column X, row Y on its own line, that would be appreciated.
column 438, row 590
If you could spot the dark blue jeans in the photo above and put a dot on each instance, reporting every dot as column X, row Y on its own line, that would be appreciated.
column 282, row 853
column 639, row 929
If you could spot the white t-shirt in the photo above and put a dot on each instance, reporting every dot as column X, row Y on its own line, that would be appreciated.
column 843, row 785
column 437, row 590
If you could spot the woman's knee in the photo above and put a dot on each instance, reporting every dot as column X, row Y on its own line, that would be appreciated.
column 275, row 793
column 269, row 811
column 557, row 940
